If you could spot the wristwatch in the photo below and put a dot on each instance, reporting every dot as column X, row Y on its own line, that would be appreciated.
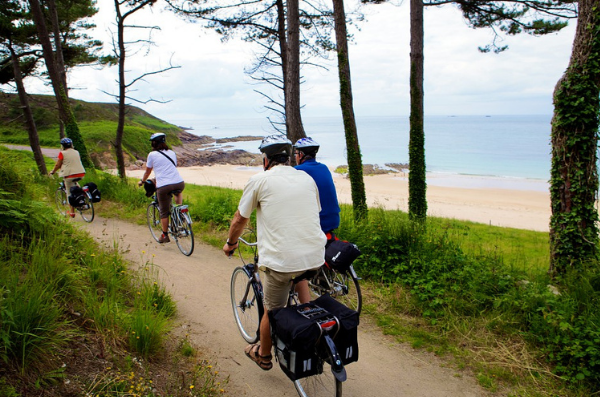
column 231, row 244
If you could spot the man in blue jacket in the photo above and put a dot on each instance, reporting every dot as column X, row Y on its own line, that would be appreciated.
column 305, row 151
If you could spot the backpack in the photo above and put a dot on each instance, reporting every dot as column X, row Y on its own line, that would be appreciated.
column 76, row 197
column 94, row 192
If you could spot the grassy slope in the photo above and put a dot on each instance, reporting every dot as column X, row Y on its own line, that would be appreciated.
column 97, row 122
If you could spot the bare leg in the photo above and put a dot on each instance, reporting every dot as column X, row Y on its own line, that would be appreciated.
column 303, row 291
column 165, row 224
column 179, row 199
column 265, row 336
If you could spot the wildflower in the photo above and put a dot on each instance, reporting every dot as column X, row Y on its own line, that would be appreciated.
column 92, row 255
column 143, row 252
column 191, row 387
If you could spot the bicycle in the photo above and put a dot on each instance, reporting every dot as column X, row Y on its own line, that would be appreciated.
column 340, row 284
column 61, row 198
column 248, row 310
column 180, row 225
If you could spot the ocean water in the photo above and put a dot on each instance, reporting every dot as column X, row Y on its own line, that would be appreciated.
column 497, row 147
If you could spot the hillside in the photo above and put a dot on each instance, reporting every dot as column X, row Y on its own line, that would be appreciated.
column 98, row 124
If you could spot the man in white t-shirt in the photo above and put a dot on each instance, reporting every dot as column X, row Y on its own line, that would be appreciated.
column 290, row 239
column 163, row 162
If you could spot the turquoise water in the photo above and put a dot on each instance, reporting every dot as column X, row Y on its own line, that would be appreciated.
column 496, row 146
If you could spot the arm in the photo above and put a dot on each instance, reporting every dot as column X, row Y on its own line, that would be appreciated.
column 235, row 231
column 57, row 166
column 146, row 175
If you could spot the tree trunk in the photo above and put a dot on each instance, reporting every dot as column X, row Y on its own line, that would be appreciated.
column 283, row 50
column 293, row 118
column 62, row 100
column 417, row 183
column 58, row 51
column 574, row 173
column 355, row 168
column 34, row 140
column 118, row 144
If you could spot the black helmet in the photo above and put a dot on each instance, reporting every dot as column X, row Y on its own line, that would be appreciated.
column 149, row 187
column 66, row 143
column 307, row 146
column 158, row 137
column 274, row 145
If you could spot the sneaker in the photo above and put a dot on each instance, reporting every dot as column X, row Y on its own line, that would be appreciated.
column 164, row 239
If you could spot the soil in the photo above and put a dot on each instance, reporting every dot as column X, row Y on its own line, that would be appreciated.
column 200, row 286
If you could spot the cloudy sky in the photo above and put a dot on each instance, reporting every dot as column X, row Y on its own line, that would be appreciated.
column 459, row 80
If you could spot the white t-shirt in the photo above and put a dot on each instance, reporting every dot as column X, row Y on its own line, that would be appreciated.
column 166, row 173
column 287, row 207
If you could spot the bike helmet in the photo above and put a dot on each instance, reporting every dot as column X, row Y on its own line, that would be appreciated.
column 66, row 142
column 307, row 146
column 158, row 137
column 274, row 145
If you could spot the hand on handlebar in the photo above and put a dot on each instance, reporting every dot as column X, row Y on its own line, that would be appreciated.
column 229, row 249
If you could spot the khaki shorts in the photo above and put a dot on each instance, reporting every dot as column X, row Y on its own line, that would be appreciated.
column 276, row 286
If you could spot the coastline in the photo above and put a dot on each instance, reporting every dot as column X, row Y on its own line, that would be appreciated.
column 506, row 202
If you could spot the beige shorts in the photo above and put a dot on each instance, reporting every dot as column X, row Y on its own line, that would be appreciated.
column 276, row 287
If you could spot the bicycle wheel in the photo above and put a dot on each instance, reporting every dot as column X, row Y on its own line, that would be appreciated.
column 246, row 304
column 322, row 385
column 345, row 288
column 60, row 197
column 87, row 210
column 153, row 218
column 184, row 235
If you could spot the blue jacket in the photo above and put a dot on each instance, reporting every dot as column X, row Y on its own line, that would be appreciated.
column 330, row 209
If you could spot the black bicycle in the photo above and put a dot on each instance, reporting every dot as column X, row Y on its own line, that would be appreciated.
column 248, row 310
column 86, row 210
column 340, row 284
column 180, row 225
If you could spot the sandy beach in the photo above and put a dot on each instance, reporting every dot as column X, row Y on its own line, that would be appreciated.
column 515, row 203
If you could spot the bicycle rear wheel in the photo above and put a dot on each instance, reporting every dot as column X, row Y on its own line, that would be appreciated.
column 343, row 287
column 87, row 210
column 184, row 236
column 321, row 385
column 246, row 304
column 153, row 218
column 60, row 197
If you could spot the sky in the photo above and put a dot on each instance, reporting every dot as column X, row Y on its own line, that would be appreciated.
column 211, row 83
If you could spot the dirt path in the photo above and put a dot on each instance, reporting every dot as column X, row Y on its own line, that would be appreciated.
column 200, row 285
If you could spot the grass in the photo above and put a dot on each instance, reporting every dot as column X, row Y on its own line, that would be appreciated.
column 67, row 307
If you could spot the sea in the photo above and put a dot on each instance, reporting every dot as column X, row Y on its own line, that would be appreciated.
column 506, row 152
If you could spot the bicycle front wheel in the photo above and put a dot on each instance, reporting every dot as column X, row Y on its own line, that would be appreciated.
column 321, row 385
column 87, row 210
column 184, row 236
column 246, row 304
column 153, row 218
column 345, row 288
column 60, row 197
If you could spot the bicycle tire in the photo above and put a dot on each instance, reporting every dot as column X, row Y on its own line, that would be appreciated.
column 247, row 307
column 343, row 287
column 60, row 197
column 87, row 210
column 324, row 384
column 153, row 219
column 184, row 235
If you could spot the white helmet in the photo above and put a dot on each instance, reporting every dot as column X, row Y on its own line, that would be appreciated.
column 158, row 137
column 275, row 144
column 307, row 146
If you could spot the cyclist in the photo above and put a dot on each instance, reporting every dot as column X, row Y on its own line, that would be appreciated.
column 290, row 240
column 70, row 166
column 305, row 151
column 163, row 162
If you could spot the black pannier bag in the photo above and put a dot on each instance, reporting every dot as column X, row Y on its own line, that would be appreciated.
column 94, row 192
column 346, row 339
column 340, row 254
column 76, row 198
column 295, row 336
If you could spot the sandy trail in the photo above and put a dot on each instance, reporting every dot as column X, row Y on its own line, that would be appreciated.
column 200, row 286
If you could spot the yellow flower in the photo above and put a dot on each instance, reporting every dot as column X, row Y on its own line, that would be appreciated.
column 143, row 252
column 191, row 387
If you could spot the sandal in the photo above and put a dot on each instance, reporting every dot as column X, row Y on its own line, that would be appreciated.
column 264, row 362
